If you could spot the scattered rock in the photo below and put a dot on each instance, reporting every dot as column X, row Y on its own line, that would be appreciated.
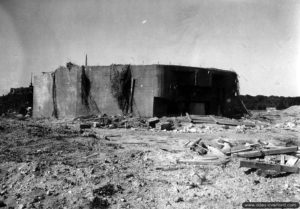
column 152, row 122
column 85, row 126
column 2, row 204
column 164, row 126
column 179, row 199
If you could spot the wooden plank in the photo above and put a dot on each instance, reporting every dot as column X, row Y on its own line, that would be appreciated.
column 268, row 166
column 240, row 150
column 200, row 119
column 280, row 150
column 226, row 121
column 204, row 161
column 186, row 144
column 203, row 121
column 264, row 152
column 248, row 124
column 213, row 118
column 250, row 154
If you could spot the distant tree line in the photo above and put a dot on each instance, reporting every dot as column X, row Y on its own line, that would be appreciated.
column 261, row 102
column 17, row 100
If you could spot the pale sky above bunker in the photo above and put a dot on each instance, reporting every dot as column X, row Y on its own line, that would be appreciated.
column 259, row 39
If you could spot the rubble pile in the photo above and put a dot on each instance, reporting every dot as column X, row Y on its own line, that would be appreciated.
column 117, row 121
column 130, row 162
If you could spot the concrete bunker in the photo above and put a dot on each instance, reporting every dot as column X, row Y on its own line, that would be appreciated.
column 143, row 90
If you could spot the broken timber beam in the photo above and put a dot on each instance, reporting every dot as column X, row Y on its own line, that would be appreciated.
column 225, row 121
column 240, row 150
column 205, row 161
column 265, row 152
column 267, row 166
column 200, row 119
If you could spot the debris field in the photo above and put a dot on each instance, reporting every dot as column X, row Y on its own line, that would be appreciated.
column 169, row 162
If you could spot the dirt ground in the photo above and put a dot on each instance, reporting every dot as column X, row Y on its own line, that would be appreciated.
column 51, row 164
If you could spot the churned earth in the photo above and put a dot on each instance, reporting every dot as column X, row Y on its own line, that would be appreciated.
column 54, row 164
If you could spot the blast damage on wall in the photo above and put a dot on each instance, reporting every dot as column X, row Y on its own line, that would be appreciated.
column 142, row 90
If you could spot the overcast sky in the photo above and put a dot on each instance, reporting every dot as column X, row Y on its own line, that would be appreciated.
column 259, row 39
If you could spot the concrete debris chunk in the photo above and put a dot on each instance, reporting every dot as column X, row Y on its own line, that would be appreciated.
column 199, row 147
column 292, row 161
column 164, row 126
column 152, row 122
column 85, row 126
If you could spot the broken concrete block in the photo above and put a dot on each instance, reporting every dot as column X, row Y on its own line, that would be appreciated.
column 292, row 161
column 152, row 122
column 85, row 126
column 164, row 126
column 105, row 121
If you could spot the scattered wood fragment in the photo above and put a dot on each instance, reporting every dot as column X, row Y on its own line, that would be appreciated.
column 204, row 161
column 200, row 119
column 248, row 124
column 265, row 152
column 254, row 145
column 141, row 143
column 199, row 147
column 186, row 144
column 170, row 168
column 240, row 150
column 172, row 151
column 195, row 142
column 107, row 137
column 214, row 119
column 267, row 166
column 225, row 121
column 92, row 155
column 211, row 119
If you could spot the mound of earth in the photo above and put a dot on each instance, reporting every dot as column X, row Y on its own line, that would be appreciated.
column 293, row 110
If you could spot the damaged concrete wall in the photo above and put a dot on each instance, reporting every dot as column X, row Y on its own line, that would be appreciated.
column 158, row 90
column 43, row 95
column 147, row 78
column 60, row 94
column 70, row 98
column 100, row 98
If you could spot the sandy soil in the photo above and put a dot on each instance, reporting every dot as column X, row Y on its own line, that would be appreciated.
column 50, row 164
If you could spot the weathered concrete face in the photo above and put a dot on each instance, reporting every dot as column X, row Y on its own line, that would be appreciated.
column 159, row 90
column 43, row 95
column 100, row 98
column 146, row 87
column 70, row 99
